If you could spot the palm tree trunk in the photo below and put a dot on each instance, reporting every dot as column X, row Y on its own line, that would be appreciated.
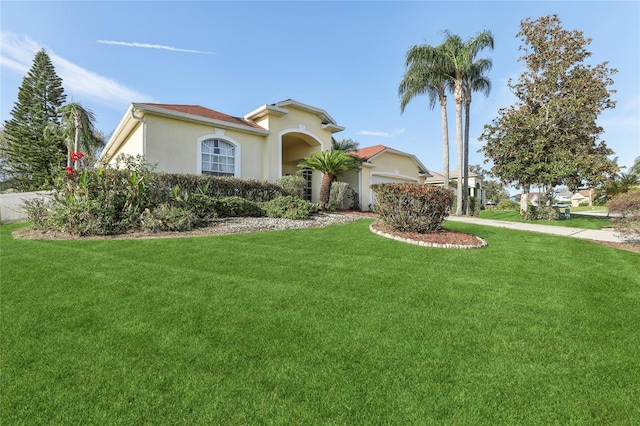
column 465, row 186
column 76, row 145
column 325, row 189
column 445, row 140
column 458, row 99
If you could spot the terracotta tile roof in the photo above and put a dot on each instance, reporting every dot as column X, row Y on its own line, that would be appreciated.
column 368, row 152
column 201, row 111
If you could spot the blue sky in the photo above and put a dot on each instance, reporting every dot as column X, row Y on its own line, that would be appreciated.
column 344, row 57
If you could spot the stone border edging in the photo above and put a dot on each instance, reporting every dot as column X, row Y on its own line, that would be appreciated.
column 481, row 242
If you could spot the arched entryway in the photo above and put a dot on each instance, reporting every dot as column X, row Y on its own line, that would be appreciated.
column 295, row 146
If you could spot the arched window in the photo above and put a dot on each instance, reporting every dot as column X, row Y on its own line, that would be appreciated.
column 218, row 157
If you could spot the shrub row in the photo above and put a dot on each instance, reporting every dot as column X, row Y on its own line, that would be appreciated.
column 110, row 200
column 412, row 207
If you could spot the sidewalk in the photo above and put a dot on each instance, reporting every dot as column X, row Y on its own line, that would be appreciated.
column 586, row 234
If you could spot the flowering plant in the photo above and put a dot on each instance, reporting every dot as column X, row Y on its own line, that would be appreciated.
column 76, row 156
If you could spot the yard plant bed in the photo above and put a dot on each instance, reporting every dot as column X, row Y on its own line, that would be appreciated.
column 443, row 238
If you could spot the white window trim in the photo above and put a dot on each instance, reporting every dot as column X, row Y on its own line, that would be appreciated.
column 237, row 172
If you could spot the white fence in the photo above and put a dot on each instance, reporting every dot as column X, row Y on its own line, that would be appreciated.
column 11, row 205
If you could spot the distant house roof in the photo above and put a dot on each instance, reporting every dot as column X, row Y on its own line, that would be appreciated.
column 453, row 174
column 200, row 111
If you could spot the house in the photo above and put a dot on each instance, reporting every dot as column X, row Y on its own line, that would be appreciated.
column 475, row 184
column 382, row 164
column 582, row 196
column 265, row 144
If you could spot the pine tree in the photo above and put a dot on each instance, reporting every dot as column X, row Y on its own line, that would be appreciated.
column 33, row 154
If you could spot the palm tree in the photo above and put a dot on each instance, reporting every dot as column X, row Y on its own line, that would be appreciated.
column 426, row 74
column 79, row 131
column 345, row 145
column 331, row 163
column 460, row 55
column 475, row 81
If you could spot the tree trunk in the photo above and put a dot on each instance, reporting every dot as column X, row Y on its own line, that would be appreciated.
column 76, row 145
column 325, row 189
column 524, row 198
column 465, row 186
column 445, row 140
column 458, row 98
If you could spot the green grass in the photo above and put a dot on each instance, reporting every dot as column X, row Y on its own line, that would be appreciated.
column 575, row 221
column 319, row 326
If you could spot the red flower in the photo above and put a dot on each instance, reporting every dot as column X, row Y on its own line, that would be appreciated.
column 75, row 156
column 69, row 170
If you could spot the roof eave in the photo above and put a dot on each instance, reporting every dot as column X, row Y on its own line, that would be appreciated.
column 199, row 119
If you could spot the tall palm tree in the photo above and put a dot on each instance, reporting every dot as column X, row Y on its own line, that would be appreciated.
column 331, row 163
column 475, row 81
column 79, row 131
column 427, row 74
column 460, row 55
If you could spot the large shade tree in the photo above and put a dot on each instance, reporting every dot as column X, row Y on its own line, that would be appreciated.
column 427, row 72
column 32, row 155
column 330, row 163
column 550, row 136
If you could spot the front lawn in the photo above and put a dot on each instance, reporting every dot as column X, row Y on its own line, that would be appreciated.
column 575, row 221
column 319, row 326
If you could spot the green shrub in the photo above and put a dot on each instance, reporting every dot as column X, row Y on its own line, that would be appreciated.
column 540, row 213
column 292, row 185
column 217, row 187
column 412, row 207
column 507, row 205
column 337, row 194
column 627, row 205
column 168, row 218
column 289, row 207
column 239, row 207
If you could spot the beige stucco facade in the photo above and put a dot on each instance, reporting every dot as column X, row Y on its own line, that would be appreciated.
column 269, row 142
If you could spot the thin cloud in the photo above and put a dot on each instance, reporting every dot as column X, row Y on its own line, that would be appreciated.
column 17, row 53
column 392, row 134
column 154, row 46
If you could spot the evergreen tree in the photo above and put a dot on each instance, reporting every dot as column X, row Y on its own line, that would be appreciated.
column 33, row 154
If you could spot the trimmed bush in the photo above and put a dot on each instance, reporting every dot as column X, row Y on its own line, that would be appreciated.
column 540, row 213
column 168, row 218
column 292, row 185
column 627, row 205
column 508, row 205
column 289, row 207
column 336, row 195
column 412, row 207
column 217, row 187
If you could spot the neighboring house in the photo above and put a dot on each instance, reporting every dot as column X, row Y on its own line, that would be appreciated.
column 582, row 196
column 475, row 184
column 382, row 164
column 265, row 144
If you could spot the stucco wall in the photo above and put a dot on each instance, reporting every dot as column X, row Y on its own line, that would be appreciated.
column 11, row 205
column 134, row 144
column 174, row 145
